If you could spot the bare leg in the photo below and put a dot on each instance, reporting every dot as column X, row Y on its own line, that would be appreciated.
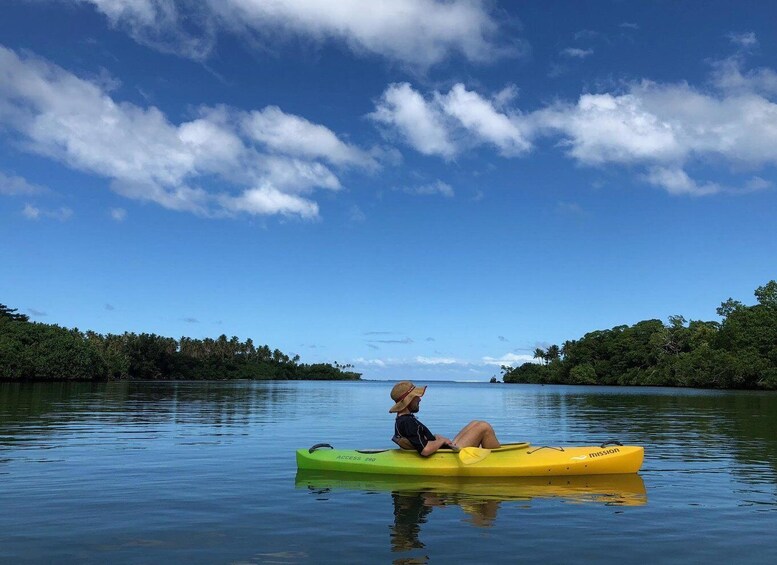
column 477, row 434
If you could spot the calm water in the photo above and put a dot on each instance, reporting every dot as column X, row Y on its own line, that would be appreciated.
column 205, row 473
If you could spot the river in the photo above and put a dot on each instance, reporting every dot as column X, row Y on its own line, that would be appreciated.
column 204, row 472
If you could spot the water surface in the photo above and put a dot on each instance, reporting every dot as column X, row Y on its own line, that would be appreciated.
column 205, row 473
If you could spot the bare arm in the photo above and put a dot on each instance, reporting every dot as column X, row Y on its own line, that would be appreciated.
column 434, row 445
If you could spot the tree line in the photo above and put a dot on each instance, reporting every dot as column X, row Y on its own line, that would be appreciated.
column 37, row 351
column 739, row 352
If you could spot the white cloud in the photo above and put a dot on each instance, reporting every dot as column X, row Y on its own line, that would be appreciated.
column 429, row 361
column 369, row 362
column 269, row 200
column 664, row 127
column 747, row 39
column 505, row 96
column 577, row 53
column 438, row 361
column 34, row 213
column 480, row 117
column 660, row 130
column 147, row 157
column 728, row 76
column 160, row 25
column 757, row 183
column 605, row 128
column 677, row 181
column 31, row 212
column 437, row 187
column 415, row 119
column 297, row 136
column 509, row 359
column 118, row 214
column 420, row 33
column 447, row 123
column 11, row 185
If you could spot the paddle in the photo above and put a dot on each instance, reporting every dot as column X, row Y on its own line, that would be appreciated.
column 471, row 455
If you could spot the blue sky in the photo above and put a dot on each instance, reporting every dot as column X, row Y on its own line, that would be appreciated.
column 423, row 189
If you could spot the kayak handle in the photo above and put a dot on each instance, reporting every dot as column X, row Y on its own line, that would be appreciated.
column 611, row 442
column 318, row 446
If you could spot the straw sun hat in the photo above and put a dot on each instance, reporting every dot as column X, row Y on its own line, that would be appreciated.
column 404, row 392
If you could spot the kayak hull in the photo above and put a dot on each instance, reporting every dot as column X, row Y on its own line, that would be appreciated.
column 622, row 489
column 518, row 460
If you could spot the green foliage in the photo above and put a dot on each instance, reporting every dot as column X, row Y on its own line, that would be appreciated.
column 34, row 351
column 10, row 314
column 739, row 352
column 47, row 352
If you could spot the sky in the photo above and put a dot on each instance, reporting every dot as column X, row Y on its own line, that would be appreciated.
column 424, row 189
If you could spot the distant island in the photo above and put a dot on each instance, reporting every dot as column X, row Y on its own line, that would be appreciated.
column 32, row 351
column 740, row 352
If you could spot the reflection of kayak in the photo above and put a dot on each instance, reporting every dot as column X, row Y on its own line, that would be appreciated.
column 624, row 489
column 511, row 460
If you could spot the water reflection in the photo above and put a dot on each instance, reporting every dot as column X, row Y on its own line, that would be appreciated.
column 480, row 499
column 49, row 415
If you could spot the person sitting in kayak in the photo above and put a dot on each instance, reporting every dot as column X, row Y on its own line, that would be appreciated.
column 410, row 433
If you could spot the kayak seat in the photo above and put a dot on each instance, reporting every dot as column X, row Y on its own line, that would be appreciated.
column 403, row 443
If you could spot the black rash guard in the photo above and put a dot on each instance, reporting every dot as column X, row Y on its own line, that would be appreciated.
column 408, row 427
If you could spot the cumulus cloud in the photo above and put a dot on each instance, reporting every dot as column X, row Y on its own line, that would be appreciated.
column 419, row 33
column 417, row 121
column 118, row 214
column 659, row 130
column 445, row 124
column 480, row 117
column 662, row 127
column 11, row 185
column 294, row 135
column 729, row 77
column 263, row 162
column 268, row 200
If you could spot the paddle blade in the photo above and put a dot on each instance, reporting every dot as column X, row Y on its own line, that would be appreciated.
column 471, row 455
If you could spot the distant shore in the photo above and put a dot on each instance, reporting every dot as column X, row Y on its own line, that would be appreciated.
column 740, row 352
column 32, row 351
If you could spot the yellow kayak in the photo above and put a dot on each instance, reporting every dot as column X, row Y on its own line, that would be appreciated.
column 625, row 489
column 510, row 460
